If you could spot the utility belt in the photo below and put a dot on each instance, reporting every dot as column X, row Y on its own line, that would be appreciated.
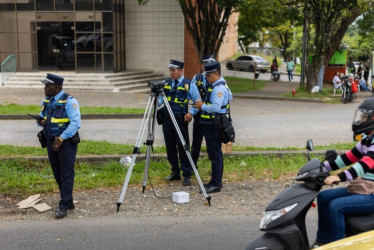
column 177, row 117
column 223, row 124
column 43, row 139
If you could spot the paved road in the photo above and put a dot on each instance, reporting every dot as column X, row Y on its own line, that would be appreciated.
column 257, row 123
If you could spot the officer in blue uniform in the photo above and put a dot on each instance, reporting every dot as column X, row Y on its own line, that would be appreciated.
column 202, row 85
column 61, row 121
column 214, row 105
column 178, row 91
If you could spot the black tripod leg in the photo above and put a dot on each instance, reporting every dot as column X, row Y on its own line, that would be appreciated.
column 185, row 147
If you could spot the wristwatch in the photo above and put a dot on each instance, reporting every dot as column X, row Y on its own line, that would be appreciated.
column 61, row 139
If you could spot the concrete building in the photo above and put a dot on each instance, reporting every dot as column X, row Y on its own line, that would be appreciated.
column 99, row 36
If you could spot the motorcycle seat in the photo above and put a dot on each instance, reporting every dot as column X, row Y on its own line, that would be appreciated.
column 356, row 224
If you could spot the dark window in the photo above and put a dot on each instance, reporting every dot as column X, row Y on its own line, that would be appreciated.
column 99, row 64
column 103, row 5
column 45, row 4
column 108, row 42
column 26, row 6
column 84, row 5
column 7, row 5
column 241, row 58
column 64, row 5
column 98, row 42
column 85, row 62
column 85, row 42
column 107, row 22
column 108, row 62
column 84, row 26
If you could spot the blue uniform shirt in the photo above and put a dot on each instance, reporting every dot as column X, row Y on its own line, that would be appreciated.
column 219, row 98
column 193, row 94
column 73, row 113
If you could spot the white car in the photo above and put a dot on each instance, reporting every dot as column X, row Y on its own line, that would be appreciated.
column 248, row 62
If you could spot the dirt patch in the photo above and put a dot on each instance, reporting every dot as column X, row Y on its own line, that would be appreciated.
column 244, row 198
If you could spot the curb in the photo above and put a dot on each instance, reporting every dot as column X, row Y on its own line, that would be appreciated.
column 241, row 96
column 117, row 157
column 83, row 116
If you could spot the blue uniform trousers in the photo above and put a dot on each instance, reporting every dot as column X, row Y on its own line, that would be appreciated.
column 213, row 144
column 62, row 163
column 174, row 146
column 197, row 139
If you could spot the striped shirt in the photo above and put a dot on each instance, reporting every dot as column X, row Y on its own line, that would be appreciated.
column 362, row 155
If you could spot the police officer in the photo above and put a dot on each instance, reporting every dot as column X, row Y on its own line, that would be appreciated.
column 61, row 121
column 202, row 85
column 178, row 91
column 214, row 105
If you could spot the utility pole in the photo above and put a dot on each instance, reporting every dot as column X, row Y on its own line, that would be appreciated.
column 304, row 57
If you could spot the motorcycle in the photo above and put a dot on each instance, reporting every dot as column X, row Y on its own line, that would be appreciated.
column 349, row 89
column 284, row 218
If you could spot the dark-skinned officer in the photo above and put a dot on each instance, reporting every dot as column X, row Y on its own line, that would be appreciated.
column 61, row 121
column 202, row 85
column 178, row 91
column 214, row 105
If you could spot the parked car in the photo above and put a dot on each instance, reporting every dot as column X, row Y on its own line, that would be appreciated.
column 248, row 62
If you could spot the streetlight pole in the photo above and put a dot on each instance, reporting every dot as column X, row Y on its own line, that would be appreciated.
column 304, row 56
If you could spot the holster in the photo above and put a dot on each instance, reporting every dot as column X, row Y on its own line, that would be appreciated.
column 76, row 139
column 42, row 139
column 224, row 124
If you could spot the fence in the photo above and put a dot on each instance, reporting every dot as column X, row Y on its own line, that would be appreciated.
column 7, row 68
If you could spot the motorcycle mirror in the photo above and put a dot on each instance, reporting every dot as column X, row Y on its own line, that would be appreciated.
column 330, row 155
column 309, row 145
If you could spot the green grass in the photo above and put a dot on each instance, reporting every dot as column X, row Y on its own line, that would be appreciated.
column 35, row 109
column 22, row 177
column 243, row 85
column 326, row 95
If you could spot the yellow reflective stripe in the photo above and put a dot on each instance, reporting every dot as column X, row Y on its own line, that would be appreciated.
column 207, row 116
column 169, row 98
column 181, row 88
column 46, row 100
column 176, row 101
column 61, row 101
column 167, row 87
column 58, row 120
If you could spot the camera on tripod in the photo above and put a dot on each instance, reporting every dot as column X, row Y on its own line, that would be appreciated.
column 156, row 85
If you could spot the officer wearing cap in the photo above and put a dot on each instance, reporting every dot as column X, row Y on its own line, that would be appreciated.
column 61, row 121
column 214, row 104
column 202, row 85
column 178, row 91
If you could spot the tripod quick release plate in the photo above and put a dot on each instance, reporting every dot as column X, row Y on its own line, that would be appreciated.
column 156, row 85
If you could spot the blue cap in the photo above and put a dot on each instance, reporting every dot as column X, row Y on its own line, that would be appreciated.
column 211, row 67
column 174, row 64
column 53, row 79
column 208, row 58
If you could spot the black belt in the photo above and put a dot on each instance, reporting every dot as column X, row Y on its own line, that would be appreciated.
column 177, row 117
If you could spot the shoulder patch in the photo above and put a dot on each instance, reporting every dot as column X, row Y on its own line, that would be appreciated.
column 186, row 86
column 219, row 94
column 75, row 106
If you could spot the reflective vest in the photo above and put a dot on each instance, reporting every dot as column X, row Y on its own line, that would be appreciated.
column 178, row 99
column 55, row 116
column 207, row 118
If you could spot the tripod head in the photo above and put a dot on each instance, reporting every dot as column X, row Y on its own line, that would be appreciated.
column 156, row 85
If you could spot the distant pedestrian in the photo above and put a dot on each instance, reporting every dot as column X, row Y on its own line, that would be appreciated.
column 359, row 70
column 366, row 72
column 290, row 67
column 275, row 61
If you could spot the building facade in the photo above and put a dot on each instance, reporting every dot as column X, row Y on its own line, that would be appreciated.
column 98, row 35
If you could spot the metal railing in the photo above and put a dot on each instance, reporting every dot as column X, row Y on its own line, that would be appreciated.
column 7, row 68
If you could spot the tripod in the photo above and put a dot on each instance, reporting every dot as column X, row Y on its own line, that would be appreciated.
column 152, row 106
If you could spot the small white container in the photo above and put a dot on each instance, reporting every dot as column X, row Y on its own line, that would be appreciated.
column 181, row 197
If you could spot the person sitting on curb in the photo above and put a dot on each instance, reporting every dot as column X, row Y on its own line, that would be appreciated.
column 274, row 71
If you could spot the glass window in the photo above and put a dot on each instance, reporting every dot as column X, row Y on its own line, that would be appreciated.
column 104, row 5
column 7, row 22
column 98, row 42
column 99, row 64
column 107, row 22
column 108, row 42
column 108, row 62
column 64, row 5
column 26, row 22
column 8, row 42
column 85, row 41
column 7, row 5
column 84, row 5
column 22, row 6
column 84, row 26
column 44, row 4
column 85, row 62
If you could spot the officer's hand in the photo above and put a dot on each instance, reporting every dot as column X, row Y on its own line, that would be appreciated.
column 56, row 144
column 198, row 104
column 331, row 179
column 188, row 117
column 42, row 122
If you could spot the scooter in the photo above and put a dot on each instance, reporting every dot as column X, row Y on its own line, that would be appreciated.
column 284, row 218
column 349, row 89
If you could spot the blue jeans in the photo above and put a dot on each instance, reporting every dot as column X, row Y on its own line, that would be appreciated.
column 333, row 205
column 290, row 77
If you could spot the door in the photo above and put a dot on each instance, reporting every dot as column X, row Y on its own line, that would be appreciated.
column 56, row 49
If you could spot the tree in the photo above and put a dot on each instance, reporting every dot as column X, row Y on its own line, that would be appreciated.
column 206, row 21
column 330, row 20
